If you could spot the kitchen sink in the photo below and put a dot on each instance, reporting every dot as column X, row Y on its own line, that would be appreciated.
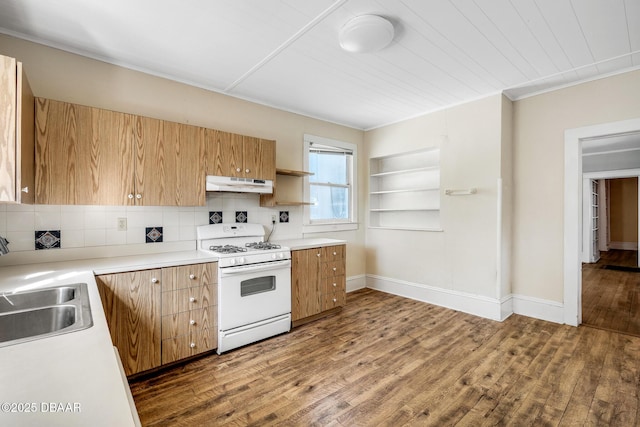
column 43, row 313
column 35, row 299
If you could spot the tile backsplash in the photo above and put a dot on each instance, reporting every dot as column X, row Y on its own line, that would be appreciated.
column 97, row 226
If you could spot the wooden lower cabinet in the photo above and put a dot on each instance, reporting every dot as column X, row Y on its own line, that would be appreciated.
column 162, row 315
column 131, row 303
column 318, row 281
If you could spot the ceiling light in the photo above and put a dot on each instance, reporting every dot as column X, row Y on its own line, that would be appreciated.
column 366, row 34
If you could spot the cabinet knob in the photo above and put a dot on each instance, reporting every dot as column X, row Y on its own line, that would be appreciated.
column 138, row 196
column 25, row 189
column 247, row 171
column 192, row 322
column 335, row 253
column 237, row 169
column 192, row 299
column 335, row 300
column 318, row 254
column 154, row 280
column 335, row 286
column 192, row 345
column 130, row 196
column 334, row 269
column 192, row 276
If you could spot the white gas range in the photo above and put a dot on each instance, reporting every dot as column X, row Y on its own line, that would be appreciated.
column 254, row 283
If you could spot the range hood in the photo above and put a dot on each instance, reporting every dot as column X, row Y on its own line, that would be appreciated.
column 239, row 185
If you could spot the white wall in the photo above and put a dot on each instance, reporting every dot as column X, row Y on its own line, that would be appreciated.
column 463, row 258
column 539, row 134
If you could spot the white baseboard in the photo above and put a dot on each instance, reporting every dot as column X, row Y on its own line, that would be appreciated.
column 537, row 308
column 477, row 305
column 625, row 246
column 356, row 282
column 489, row 308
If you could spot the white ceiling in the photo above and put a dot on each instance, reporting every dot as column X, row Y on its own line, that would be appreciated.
column 285, row 53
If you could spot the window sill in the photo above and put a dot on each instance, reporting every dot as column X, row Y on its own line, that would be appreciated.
column 324, row 228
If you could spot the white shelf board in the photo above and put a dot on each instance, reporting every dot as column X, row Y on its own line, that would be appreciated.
column 405, row 210
column 401, row 171
column 406, row 190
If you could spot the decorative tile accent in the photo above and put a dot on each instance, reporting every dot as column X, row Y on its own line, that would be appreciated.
column 153, row 234
column 241, row 216
column 284, row 216
column 215, row 217
column 47, row 239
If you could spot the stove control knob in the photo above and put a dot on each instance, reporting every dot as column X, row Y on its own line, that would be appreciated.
column 241, row 260
column 273, row 256
column 232, row 261
column 281, row 255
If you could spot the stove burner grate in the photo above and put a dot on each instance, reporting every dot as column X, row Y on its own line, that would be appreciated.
column 227, row 249
column 262, row 245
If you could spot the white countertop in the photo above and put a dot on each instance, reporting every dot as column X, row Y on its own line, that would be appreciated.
column 297, row 244
column 71, row 379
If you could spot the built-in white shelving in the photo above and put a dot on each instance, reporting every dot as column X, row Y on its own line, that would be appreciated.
column 404, row 191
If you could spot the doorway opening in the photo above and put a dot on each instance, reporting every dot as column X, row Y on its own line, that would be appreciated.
column 573, row 204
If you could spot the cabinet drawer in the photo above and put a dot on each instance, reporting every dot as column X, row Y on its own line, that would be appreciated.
column 333, row 253
column 188, row 345
column 189, row 299
column 189, row 276
column 334, row 284
column 186, row 322
column 332, row 268
column 333, row 300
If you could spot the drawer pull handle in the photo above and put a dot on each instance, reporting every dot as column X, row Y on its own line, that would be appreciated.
column 192, row 345
column 154, row 280
column 192, row 299
column 192, row 322
column 192, row 276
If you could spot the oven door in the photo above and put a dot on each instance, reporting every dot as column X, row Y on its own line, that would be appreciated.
column 252, row 293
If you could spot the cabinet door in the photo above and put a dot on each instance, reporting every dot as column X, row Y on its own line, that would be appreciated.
column 223, row 152
column 259, row 157
column 8, row 113
column 84, row 155
column 17, row 168
column 131, row 303
column 306, row 285
column 169, row 166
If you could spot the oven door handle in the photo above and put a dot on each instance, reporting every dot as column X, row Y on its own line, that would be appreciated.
column 275, row 265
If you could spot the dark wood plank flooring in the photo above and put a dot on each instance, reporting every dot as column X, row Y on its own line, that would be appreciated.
column 391, row 361
column 611, row 298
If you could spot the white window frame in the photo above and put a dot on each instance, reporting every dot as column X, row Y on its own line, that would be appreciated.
column 309, row 226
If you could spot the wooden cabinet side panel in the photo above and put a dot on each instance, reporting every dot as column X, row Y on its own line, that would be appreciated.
column 26, row 138
column 8, row 129
column 305, row 284
column 131, row 304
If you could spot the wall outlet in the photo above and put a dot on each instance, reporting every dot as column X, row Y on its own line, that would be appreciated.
column 122, row 224
column 274, row 218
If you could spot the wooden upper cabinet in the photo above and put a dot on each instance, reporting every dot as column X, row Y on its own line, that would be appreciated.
column 169, row 163
column 17, row 159
column 84, row 155
column 229, row 154
column 92, row 156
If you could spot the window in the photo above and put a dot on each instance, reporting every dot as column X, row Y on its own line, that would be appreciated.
column 332, row 187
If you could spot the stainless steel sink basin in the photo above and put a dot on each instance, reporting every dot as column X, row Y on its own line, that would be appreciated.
column 35, row 299
column 44, row 313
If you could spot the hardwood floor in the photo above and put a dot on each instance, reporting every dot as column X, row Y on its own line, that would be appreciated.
column 391, row 361
column 611, row 298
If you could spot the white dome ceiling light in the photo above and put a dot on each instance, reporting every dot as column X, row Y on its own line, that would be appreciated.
column 366, row 34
